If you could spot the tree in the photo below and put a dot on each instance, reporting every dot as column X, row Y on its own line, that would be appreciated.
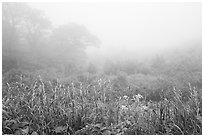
column 68, row 44
column 22, row 29
column 29, row 41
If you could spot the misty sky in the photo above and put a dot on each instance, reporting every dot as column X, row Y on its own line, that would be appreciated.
column 129, row 30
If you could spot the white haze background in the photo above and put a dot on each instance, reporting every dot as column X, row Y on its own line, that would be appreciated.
column 130, row 30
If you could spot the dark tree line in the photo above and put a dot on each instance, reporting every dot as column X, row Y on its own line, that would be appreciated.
column 30, row 41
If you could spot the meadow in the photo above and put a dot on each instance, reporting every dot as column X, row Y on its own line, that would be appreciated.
column 115, row 69
column 96, row 105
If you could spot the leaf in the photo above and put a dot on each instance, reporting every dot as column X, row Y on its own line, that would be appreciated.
column 23, row 124
column 98, row 126
column 34, row 133
column 15, row 126
column 10, row 122
column 34, row 126
column 60, row 129
column 4, row 112
column 106, row 132
column 18, row 132
column 7, row 130
column 25, row 130
column 199, row 118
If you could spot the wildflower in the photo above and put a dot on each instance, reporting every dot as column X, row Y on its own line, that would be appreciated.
column 72, row 84
column 108, row 80
column 123, row 107
column 144, row 107
column 126, row 97
column 139, row 96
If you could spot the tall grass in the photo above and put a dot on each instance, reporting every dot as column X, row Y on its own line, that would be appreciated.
column 48, row 108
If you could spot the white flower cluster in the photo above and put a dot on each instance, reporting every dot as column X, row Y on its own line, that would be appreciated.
column 137, row 97
column 124, row 108
column 125, row 97
column 144, row 108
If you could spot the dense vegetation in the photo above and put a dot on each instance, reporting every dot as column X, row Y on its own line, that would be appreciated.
column 49, row 87
column 96, row 105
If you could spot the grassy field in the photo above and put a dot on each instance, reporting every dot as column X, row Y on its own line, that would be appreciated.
column 101, row 72
column 32, row 105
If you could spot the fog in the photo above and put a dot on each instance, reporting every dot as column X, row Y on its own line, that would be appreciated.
column 76, row 37
column 103, row 68
column 131, row 30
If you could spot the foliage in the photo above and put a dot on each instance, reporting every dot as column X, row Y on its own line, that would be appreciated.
column 82, row 108
column 30, row 41
column 48, row 87
column 23, row 29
